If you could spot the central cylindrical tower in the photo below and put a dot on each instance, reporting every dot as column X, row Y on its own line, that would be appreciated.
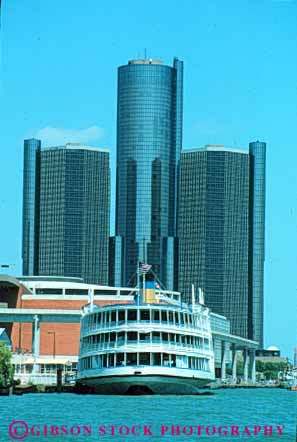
column 149, row 141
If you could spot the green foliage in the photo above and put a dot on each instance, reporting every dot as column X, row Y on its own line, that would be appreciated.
column 270, row 370
column 6, row 367
column 270, row 374
column 239, row 368
column 260, row 366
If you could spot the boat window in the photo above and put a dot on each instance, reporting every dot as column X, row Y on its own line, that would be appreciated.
column 98, row 318
column 176, row 317
column 156, row 315
column 121, row 315
column 120, row 359
column 104, row 360
column 112, row 337
column 103, row 318
column 166, row 359
column 132, row 315
column 144, row 336
column 164, row 316
column 132, row 336
column 131, row 358
column 156, row 358
column 171, row 337
column 170, row 317
column 105, row 337
column 182, row 319
column 144, row 359
column 111, row 360
column 156, row 336
column 144, row 315
column 173, row 360
column 113, row 316
column 165, row 336
column 121, row 336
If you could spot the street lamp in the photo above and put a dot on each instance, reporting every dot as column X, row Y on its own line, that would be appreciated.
column 54, row 347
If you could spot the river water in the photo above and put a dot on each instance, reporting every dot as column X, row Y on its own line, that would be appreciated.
column 49, row 417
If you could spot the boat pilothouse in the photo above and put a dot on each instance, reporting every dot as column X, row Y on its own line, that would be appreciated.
column 159, row 345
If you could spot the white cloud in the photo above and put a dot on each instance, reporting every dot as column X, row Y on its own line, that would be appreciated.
column 56, row 136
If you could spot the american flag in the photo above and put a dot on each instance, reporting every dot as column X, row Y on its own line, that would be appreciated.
column 143, row 267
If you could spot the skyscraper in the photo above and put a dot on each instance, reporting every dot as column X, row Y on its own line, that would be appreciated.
column 257, row 152
column 30, row 204
column 71, row 213
column 221, row 232
column 149, row 141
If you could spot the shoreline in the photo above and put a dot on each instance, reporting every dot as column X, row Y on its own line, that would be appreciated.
column 19, row 390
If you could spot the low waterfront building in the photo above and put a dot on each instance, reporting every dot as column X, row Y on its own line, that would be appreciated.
column 42, row 319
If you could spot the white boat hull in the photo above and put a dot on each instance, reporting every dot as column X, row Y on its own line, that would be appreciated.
column 142, row 380
column 145, row 384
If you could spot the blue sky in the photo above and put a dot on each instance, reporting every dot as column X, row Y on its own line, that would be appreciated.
column 59, row 77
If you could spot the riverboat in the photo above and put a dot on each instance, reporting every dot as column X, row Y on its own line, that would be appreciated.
column 155, row 345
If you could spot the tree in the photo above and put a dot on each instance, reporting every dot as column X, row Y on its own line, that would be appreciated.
column 6, row 367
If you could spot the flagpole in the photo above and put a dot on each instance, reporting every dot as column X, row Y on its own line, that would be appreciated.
column 143, row 281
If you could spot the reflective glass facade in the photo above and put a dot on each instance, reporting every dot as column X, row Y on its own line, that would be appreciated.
column 214, row 231
column 149, row 138
column 257, row 238
column 115, row 261
column 30, row 204
column 73, row 213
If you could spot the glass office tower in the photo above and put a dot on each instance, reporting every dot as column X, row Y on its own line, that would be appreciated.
column 214, row 230
column 72, row 195
column 30, row 204
column 222, row 232
column 149, row 141
column 257, row 152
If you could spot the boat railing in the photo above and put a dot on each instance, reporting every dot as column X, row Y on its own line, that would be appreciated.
column 135, row 366
column 124, row 324
column 86, row 348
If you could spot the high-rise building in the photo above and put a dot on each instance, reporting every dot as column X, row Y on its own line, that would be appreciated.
column 149, row 141
column 221, row 230
column 71, row 216
column 30, row 204
column 257, row 152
